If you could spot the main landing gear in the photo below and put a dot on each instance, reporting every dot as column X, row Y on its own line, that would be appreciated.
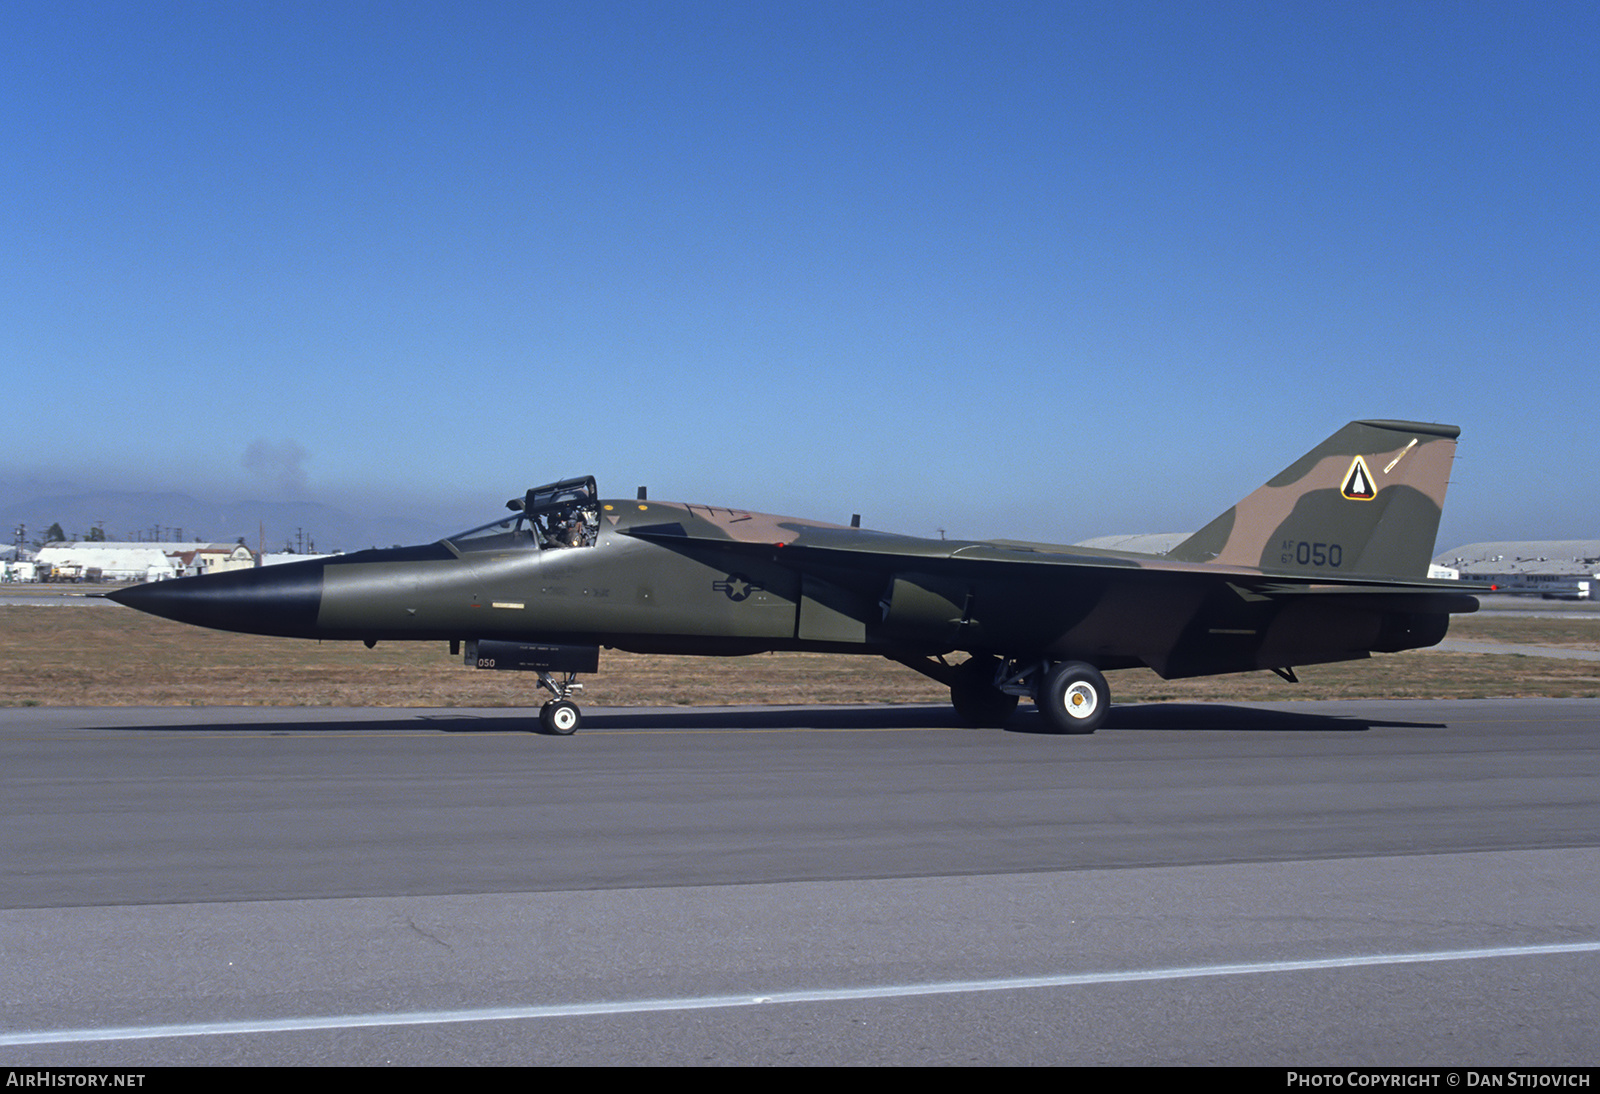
column 1072, row 696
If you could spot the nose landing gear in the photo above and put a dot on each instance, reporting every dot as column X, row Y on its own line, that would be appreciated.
column 558, row 667
column 560, row 716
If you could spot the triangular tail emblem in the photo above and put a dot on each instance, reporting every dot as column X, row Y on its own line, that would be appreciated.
column 1358, row 482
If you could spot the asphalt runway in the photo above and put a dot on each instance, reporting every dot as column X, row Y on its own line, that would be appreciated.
column 1293, row 884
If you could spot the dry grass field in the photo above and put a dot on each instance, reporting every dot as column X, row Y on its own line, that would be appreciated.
column 108, row 656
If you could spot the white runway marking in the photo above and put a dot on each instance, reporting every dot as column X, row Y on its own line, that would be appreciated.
column 711, row 1002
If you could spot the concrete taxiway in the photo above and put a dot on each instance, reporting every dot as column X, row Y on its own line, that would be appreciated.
column 1337, row 883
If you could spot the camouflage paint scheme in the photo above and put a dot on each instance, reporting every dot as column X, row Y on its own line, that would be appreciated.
column 1326, row 562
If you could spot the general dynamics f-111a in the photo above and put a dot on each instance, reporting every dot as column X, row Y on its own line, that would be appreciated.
column 1326, row 562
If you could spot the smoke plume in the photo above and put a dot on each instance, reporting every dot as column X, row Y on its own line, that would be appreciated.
column 278, row 465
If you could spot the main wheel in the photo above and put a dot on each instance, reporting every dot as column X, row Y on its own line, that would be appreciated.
column 561, row 717
column 1074, row 698
column 977, row 701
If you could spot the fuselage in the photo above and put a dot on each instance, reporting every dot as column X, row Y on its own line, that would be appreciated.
column 668, row 577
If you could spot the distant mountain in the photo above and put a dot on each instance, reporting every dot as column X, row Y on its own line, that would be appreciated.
column 130, row 515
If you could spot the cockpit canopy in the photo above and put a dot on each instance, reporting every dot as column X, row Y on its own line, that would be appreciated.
column 555, row 496
column 554, row 516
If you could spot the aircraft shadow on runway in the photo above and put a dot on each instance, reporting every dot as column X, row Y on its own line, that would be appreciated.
column 1190, row 717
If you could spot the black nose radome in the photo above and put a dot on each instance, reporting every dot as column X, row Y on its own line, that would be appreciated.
column 278, row 600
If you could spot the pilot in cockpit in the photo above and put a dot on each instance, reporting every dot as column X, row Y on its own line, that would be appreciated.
column 569, row 530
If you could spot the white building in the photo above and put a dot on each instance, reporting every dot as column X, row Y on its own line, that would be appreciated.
column 114, row 561
column 1564, row 569
column 17, row 570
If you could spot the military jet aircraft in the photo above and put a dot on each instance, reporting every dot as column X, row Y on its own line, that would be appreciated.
column 1326, row 562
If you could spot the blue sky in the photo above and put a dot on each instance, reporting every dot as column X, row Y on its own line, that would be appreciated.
column 1038, row 270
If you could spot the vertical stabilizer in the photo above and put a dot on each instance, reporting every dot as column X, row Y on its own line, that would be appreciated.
column 1365, row 501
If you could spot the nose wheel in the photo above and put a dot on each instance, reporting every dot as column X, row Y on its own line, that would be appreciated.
column 560, row 717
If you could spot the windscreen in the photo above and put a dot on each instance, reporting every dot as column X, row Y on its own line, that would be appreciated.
column 507, row 533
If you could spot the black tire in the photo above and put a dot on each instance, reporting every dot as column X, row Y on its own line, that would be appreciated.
column 1074, row 698
column 977, row 701
column 560, row 718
